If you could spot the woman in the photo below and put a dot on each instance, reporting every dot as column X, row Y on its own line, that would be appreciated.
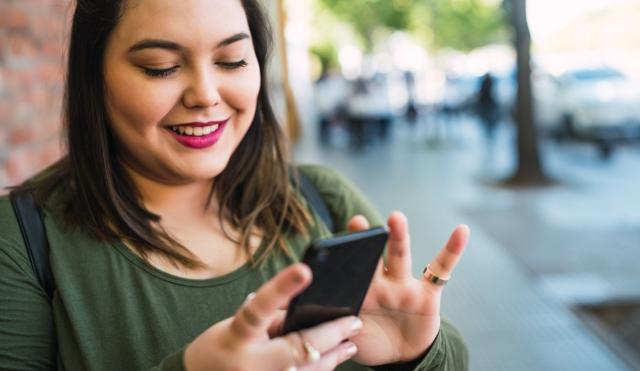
column 174, row 203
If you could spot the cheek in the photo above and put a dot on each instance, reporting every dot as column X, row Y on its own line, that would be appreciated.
column 133, row 104
column 241, row 92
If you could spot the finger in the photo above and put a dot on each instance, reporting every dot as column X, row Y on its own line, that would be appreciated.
column 447, row 259
column 255, row 315
column 292, row 348
column 275, row 327
column 358, row 223
column 381, row 269
column 332, row 358
column 398, row 246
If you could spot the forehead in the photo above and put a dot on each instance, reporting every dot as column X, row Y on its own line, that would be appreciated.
column 196, row 22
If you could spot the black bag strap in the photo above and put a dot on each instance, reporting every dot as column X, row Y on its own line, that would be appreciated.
column 313, row 196
column 35, row 238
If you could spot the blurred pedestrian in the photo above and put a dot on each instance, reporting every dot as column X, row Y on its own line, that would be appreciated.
column 411, row 114
column 487, row 105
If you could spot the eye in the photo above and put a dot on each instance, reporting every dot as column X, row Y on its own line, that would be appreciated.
column 232, row 65
column 165, row 72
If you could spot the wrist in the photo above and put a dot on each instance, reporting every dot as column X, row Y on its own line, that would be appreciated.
column 407, row 365
column 189, row 358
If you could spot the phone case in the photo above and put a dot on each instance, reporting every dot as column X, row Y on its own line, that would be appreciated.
column 343, row 267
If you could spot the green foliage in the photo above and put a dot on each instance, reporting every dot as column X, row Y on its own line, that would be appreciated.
column 458, row 24
column 466, row 24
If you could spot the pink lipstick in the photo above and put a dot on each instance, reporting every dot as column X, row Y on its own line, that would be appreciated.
column 198, row 135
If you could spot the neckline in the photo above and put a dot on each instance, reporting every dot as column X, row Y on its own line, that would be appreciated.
column 235, row 274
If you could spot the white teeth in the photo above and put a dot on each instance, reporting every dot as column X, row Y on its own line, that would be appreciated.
column 195, row 131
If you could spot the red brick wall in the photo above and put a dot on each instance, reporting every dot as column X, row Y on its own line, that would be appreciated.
column 32, row 44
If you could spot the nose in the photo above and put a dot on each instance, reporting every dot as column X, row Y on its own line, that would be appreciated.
column 202, row 91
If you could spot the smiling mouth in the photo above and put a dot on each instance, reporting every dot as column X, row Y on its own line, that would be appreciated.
column 198, row 135
column 195, row 131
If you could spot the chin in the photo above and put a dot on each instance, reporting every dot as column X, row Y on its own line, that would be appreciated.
column 207, row 172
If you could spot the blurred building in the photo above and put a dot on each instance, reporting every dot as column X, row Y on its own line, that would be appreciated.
column 32, row 37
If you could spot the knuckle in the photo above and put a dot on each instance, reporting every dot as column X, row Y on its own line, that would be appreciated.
column 238, row 329
column 250, row 315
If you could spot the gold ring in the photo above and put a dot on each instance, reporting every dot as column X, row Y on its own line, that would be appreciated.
column 433, row 278
column 311, row 353
column 291, row 368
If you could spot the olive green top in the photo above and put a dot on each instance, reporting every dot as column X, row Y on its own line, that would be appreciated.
column 112, row 311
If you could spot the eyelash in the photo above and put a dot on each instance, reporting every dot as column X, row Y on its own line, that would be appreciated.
column 232, row 65
column 160, row 72
column 168, row 71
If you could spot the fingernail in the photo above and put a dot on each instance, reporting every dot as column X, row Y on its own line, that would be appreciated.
column 356, row 324
column 351, row 350
column 249, row 297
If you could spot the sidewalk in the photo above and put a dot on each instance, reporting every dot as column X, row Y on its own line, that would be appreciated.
column 511, row 320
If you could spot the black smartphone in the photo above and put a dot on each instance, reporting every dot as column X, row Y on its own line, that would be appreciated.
column 343, row 267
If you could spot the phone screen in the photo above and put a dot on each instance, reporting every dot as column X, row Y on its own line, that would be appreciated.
column 342, row 267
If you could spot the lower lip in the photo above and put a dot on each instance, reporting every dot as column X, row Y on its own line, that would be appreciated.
column 200, row 142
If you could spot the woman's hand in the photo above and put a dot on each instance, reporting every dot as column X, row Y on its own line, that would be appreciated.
column 401, row 314
column 243, row 342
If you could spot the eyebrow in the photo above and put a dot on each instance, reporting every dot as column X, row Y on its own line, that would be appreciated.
column 171, row 45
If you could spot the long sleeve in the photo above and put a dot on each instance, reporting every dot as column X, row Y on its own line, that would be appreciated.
column 27, row 334
column 27, row 328
column 174, row 362
column 447, row 353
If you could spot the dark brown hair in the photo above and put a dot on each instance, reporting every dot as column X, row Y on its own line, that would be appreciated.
column 254, row 190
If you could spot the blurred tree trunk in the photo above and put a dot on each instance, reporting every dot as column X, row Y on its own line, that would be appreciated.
column 529, row 169
column 292, row 120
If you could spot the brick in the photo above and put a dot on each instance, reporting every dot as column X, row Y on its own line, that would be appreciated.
column 4, row 146
column 53, row 50
column 4, row 115
column 22, row 46
column 33, row 36
column 49, row 72
column 50, row 153
column 3, row 88
column 13, row 18
column 16, row 167
column 47, row 26
column 23, row 134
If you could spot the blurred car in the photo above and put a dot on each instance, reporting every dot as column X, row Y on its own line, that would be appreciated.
column 600, row 105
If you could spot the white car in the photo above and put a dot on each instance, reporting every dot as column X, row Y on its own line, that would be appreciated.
column 600, row 105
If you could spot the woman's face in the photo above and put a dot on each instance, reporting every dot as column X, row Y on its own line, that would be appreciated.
column 182, row 82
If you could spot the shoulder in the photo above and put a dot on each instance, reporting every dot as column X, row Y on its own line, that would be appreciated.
column 330, row 184
column 323, row 177
column 343, row 198
column 13, row 251
column 13, row 254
